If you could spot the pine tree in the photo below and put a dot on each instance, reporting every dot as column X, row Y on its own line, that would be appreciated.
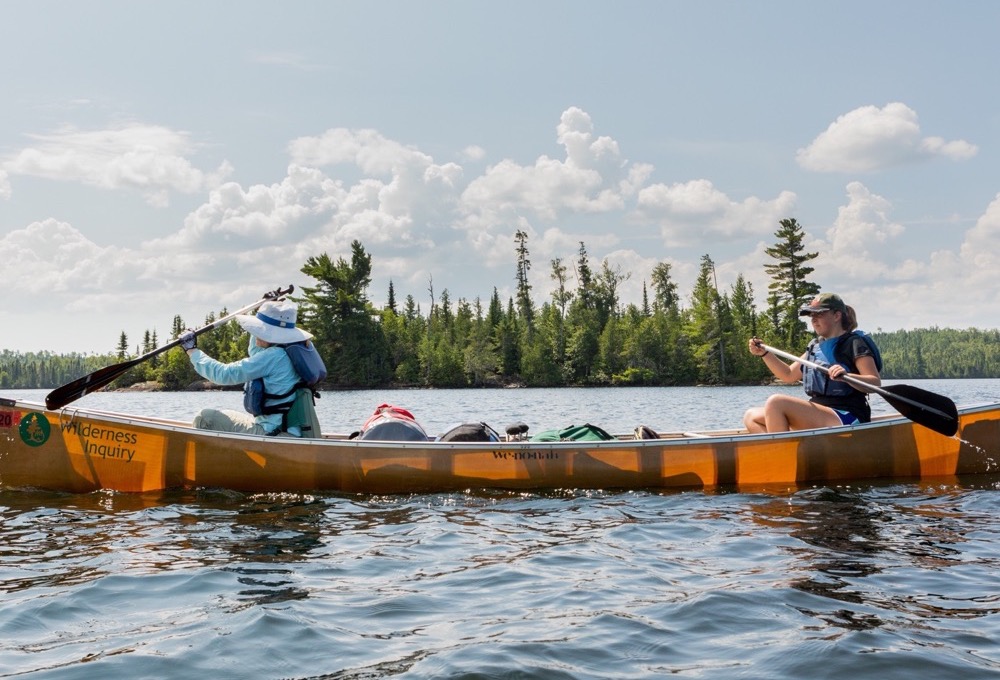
column 480, row 358
column 122, row 348
column 524, row 305
column 745, row 366
column 606, row 288
column 561, row 297
column 664, row 289
column 584, row 279
column 708, row 325
column 338, row 313
column 391, row 304
column 789, row 287
column 509, row 348
column 583, row 327
column 495, row 314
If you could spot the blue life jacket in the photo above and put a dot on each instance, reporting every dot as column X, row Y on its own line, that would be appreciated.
column 876, row 352
column 827, row 353
column 311, row 370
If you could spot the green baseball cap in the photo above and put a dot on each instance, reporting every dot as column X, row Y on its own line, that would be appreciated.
column 822, row 303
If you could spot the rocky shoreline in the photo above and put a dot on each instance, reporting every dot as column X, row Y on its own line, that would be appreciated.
column 197, row 386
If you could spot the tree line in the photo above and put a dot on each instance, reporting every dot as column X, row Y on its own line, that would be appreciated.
column 581, row 335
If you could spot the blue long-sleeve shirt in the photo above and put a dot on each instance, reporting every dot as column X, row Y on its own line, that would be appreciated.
column 270, row 363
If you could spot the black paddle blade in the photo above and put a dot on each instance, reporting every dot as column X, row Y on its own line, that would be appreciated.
column 91, row 382
column 931, row 410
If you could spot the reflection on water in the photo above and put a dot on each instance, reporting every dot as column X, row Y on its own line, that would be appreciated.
column 842, row 541
column 849, row 536
column 872, row 581
column 865, row 581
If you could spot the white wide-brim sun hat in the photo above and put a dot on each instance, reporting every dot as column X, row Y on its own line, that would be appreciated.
column 274, row 323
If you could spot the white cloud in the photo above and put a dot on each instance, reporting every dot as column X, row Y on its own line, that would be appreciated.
column 4, row 184
column 543, row 190
column 294, row 60
column 981, row 248
column 576, row 133
column 869, row 139
column 371, row 152
column 408, row 210
column 405, row 198
column 594, row 178
column 861, row 234
column 99, row 291
column 691, row 211
column 51, row 257
column 402, row 183
column 472, row 153
column 948, row 288
column 148, row 158
column 423, row 221
column 273, row 228
column 262, row 214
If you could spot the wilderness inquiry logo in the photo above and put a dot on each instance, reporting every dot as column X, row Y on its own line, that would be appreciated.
column 103, row 441
column 34, row 429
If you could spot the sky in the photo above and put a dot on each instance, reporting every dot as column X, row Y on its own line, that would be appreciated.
column 181, row 158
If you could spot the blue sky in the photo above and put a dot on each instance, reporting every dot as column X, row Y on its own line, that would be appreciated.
column 181, row 157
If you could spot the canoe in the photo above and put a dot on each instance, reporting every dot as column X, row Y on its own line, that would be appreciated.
column 81, row 450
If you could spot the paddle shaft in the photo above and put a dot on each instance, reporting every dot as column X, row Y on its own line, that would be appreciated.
column 854, row 381
column 92, row 382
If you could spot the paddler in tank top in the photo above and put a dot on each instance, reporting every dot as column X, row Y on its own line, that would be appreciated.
column 832, row 401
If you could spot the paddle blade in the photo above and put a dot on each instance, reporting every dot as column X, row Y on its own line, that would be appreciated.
column 61, row 396
column 91, row 382
column 931, row 410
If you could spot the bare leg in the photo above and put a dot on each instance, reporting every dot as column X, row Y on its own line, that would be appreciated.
column 783, row 413
column 753, row 420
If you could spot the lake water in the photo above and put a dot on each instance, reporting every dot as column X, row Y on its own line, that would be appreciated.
column 883, row 580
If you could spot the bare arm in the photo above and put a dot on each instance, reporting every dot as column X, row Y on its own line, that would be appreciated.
column 782, row 371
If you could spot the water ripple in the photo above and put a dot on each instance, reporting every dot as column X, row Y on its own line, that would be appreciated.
column 869, row 581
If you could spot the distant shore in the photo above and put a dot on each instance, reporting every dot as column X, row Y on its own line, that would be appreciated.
column 197, row 386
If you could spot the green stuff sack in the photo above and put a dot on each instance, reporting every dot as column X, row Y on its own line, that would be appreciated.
column 303, row 414
column 585, row 432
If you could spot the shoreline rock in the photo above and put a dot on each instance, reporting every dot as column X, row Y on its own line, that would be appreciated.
column 196, row 386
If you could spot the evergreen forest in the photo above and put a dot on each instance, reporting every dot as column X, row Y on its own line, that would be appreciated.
column 581, row 335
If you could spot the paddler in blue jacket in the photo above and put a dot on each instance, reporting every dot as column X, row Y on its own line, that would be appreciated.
column 832, row 401
column 274, row 324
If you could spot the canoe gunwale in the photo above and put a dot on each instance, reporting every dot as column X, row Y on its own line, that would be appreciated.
column 685, row 438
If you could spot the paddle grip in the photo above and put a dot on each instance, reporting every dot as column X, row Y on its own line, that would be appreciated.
column 278, row 294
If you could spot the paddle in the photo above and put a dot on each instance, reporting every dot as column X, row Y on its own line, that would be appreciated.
column 92, row 382
column 931, row 410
